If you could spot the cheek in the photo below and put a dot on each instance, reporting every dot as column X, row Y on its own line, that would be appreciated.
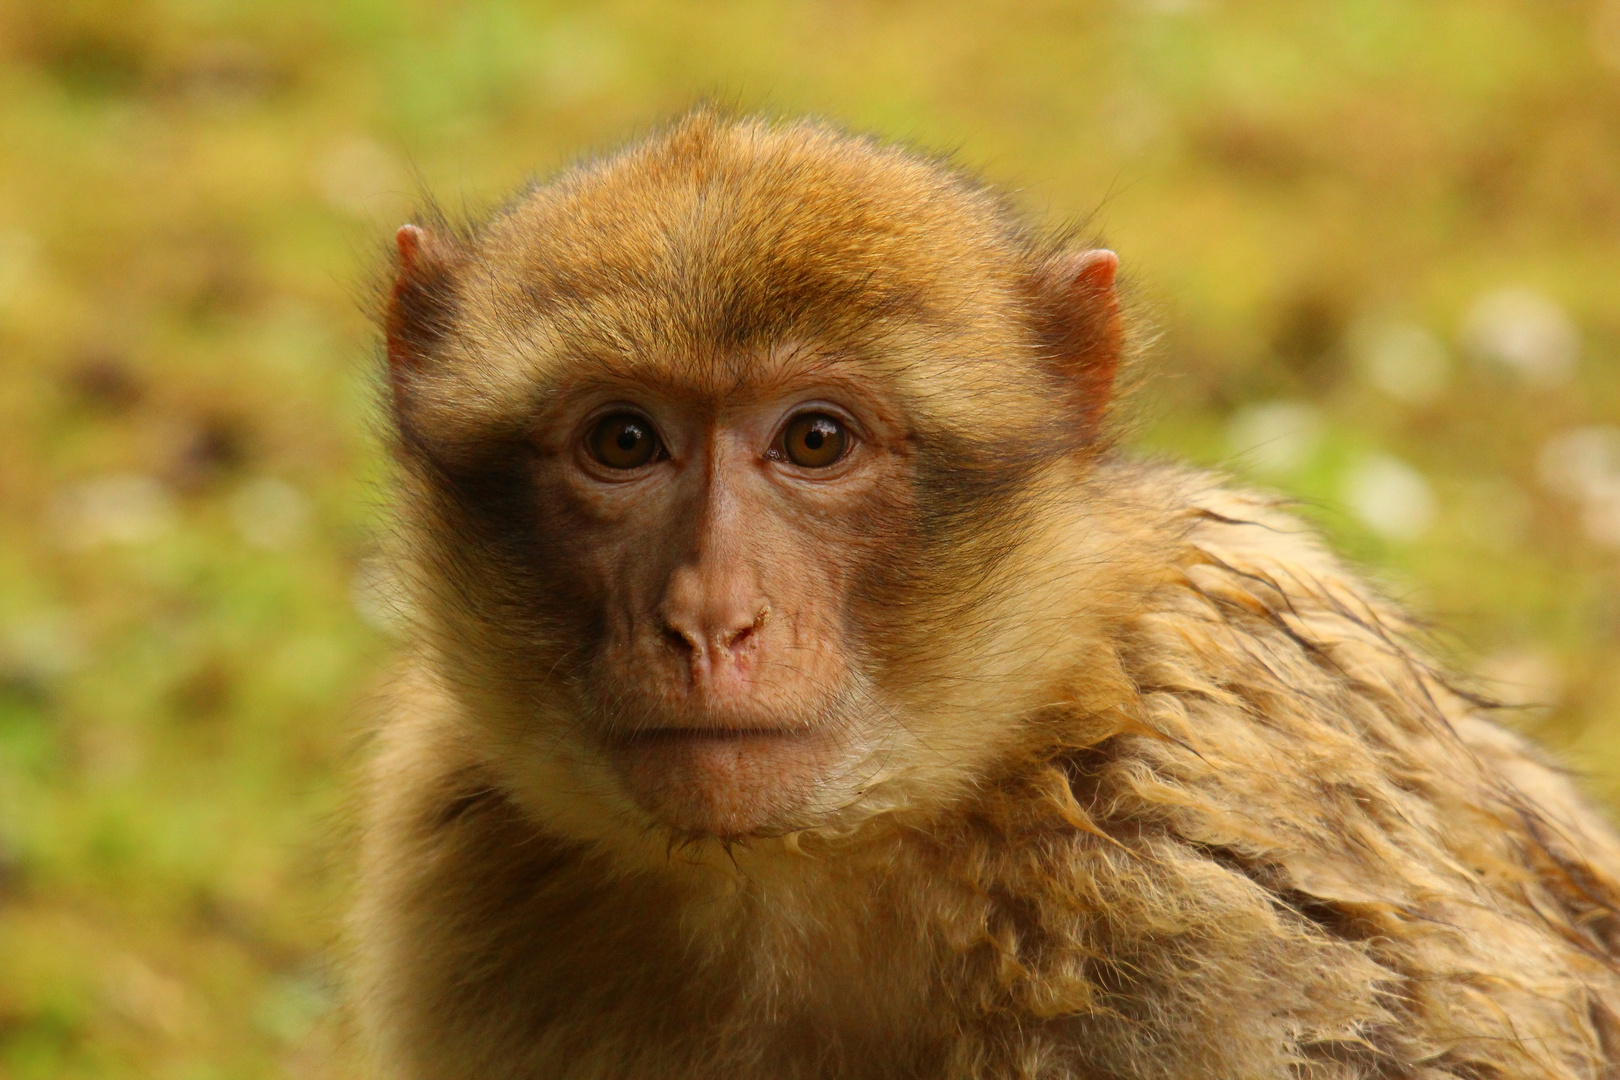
column 603, row 560
column 816, row 578
column 874, row 563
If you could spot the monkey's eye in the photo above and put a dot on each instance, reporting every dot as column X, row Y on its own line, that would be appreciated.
column 814, row 440
column 623, row 441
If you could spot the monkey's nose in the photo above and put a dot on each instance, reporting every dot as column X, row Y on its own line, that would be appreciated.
column 710, row 644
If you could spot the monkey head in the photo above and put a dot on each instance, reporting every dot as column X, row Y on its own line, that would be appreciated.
column 713, row 452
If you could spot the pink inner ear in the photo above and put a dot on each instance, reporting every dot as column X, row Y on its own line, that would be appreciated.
column 409, row 241
column 1086, row 283
column 1095, row 269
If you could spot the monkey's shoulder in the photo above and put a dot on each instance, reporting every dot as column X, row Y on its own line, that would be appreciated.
column 1299, row 721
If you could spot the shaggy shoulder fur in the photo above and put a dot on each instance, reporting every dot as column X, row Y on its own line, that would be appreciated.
column 1303, row 852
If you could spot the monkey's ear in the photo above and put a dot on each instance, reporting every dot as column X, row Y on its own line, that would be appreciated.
column 1083, row 327
column 422, row 305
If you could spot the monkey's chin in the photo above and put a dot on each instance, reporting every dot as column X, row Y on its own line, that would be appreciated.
column 726, row 782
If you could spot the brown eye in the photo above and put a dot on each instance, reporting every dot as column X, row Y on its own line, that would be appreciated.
column 623, row 441
column 814, row 440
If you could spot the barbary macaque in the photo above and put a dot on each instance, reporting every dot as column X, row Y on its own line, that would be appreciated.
column 803, row 686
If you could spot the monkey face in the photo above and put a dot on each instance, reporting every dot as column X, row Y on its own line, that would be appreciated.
column 721, row 673
column 719, row 603
column 716, row 467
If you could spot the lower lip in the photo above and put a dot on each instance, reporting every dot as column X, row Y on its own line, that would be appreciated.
column 678, row 735
column 722, row 781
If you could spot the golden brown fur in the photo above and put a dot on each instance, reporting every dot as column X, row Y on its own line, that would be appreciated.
column 1159, row 789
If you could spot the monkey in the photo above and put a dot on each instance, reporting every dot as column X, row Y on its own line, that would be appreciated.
column 804, row 682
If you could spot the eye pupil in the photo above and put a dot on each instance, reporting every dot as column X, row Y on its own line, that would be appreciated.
column 814, row 440
column 622, row 441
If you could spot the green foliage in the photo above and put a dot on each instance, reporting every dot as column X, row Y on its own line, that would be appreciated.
column 1380, row 241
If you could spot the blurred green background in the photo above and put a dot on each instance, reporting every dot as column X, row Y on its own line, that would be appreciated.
column 1381, row 240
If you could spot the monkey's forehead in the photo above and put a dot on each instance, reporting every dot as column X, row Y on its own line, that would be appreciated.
column 909, row 379
column 736, row 230
column 710, row 249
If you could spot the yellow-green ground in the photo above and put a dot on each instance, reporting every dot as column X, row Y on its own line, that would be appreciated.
column 1381, row 240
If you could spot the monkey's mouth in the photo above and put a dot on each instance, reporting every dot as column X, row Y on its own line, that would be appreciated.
column 709, row 734
column 723, row 781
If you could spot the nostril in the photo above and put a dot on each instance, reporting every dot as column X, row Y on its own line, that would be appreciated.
column 707, row 643
column 740, row 637
column 679, row 641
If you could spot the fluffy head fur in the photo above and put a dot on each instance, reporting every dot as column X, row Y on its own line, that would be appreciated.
column 1132, row 779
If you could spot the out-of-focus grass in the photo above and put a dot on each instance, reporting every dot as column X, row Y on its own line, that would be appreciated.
column 1382, row 241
